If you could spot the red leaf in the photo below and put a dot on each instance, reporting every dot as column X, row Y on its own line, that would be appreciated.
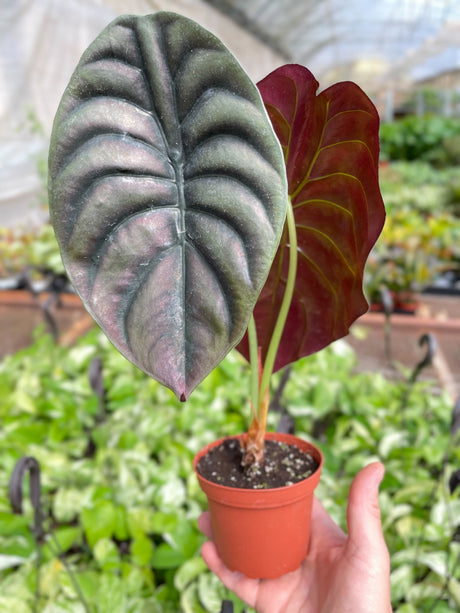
column 331, row 149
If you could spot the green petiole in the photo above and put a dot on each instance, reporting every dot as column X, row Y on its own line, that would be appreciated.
column 258, row 392
column 254, row 361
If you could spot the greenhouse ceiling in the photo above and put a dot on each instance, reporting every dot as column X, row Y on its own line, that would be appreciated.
column 386, row 46
column 369, row 41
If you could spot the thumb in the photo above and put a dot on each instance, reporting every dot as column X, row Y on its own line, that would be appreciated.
column 363, row 513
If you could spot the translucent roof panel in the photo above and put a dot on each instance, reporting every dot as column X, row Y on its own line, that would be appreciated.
column 333, row 35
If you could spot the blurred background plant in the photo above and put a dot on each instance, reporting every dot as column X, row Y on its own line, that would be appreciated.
column 419, row 246
column 424, row 138
column 120, row 499
column 415, row 249
column 34, row 249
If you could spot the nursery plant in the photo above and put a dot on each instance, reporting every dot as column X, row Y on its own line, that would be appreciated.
column 135, row 486
column 196, row 212
column 33, row 251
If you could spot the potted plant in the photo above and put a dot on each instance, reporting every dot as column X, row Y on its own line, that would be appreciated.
column 191, row 206
column 34, row 289
column 414, row 251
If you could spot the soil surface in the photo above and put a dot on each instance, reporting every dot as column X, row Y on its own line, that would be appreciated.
column 284, row 465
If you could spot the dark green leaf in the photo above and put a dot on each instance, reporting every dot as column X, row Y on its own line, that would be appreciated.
column 99, row 521
column 167, row 193
column 165, row 557
column 188, row 572
column 141, row 550
column 13, row 524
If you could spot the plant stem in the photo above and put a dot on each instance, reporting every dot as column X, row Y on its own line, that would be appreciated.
column 60, row 554
column 254, row 361
column 282, row 315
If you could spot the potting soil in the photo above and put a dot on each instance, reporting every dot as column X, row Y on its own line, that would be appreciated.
column 283, row 465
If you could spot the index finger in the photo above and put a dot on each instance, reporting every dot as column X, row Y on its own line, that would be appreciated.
column 204, row 524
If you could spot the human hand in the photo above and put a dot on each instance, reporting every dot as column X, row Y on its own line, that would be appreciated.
column 341, row 574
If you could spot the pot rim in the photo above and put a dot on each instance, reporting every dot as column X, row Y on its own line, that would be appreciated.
column 295, row 490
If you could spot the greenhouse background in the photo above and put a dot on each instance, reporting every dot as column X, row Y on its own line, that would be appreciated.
column 119, row 501
column 391, row 49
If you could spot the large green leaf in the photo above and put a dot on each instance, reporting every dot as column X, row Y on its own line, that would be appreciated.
column 331, row 148
column 167, row 193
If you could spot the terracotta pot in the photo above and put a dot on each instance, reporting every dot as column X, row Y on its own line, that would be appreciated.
column 406, row 303
column 403, row 302
column 262, row 533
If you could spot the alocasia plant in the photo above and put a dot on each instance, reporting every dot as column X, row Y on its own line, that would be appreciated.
column 169, row 192
column 331, row 150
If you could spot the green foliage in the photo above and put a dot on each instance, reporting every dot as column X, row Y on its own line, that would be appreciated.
column 361, row 418
column 419, row 138
column 418, row 185
column 421, row 236
column 452, row 149
column 122, row 502
column 32, row 248
column 117, row 487
column 414, row 249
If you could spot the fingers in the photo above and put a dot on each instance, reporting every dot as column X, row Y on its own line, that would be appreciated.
column 204, row 524
column 212, row 559
column 244, row 588
column 363, row 513
column 366, row 549
column 324, row 531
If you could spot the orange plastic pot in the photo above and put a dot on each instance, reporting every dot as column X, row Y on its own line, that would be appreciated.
column 262, row 533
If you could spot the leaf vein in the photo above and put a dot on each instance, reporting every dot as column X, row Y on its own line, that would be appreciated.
column 345, row 142
column 323, row 200
column 314, row 159
column 321, row 274
column 357, row 110
column 329, row 240
column 237, row 180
